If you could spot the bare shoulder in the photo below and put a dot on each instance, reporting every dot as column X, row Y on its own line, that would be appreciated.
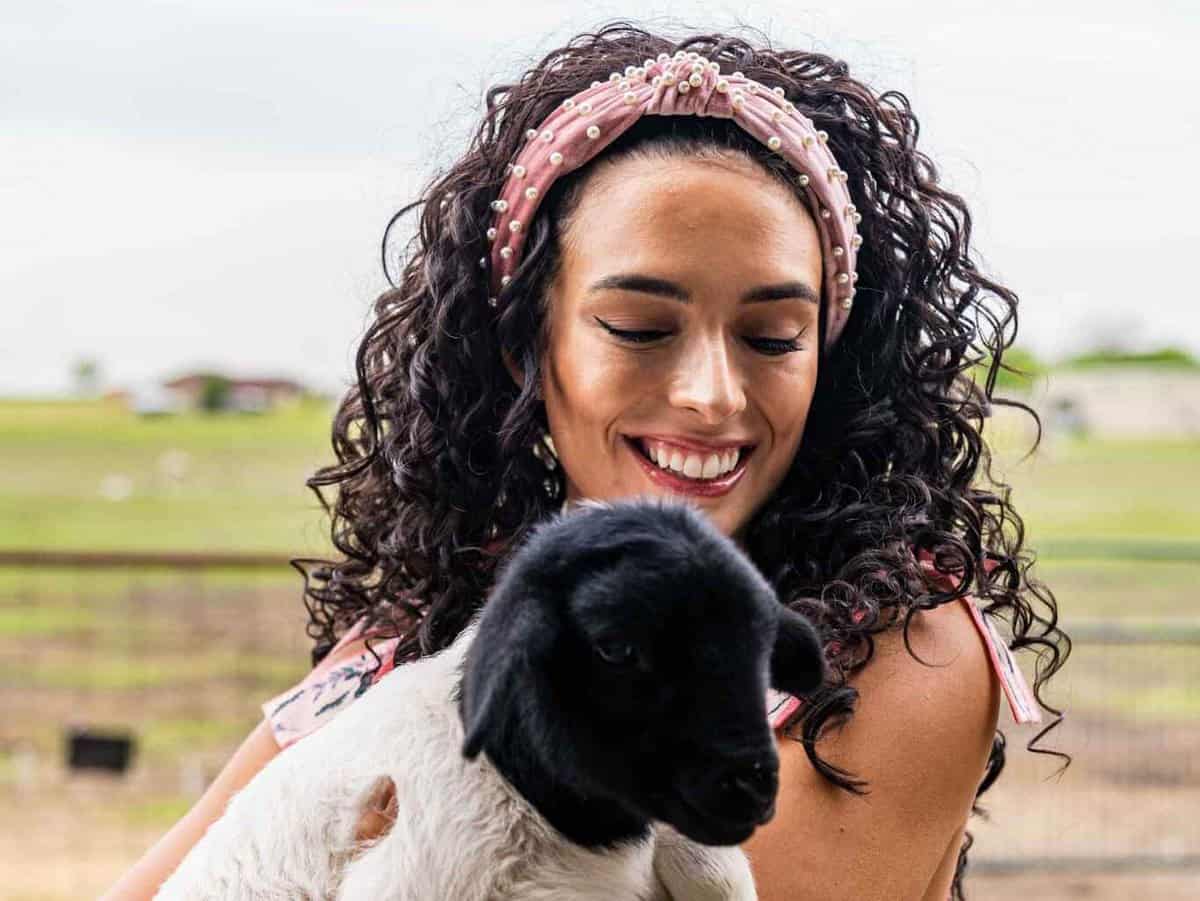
column 920, row 738
column 927, row 712
column 941, row 681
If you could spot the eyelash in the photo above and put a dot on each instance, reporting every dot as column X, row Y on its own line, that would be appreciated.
column 778, row 346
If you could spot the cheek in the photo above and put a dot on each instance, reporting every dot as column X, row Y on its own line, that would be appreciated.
column 578, row 403
column 786, row 395
column 589, row 380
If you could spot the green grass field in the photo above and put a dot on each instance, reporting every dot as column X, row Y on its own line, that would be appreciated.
column 190, row 482
column 236, row 482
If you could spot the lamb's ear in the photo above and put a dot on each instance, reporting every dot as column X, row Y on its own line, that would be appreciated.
column 798, row 661
column 488, row 696
column 504, row 660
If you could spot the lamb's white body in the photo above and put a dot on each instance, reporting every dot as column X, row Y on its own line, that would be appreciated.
column 463, row 832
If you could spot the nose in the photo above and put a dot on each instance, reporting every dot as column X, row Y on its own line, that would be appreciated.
column 709, row 382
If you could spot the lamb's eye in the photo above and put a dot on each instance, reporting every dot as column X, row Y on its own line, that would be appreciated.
column 617, row 653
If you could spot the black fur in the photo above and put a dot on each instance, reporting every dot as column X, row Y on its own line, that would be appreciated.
column 619, row 673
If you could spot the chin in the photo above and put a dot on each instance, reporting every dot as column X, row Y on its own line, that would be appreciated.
column 732, row 522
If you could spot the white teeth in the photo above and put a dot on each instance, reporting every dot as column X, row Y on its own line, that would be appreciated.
column 690, row 465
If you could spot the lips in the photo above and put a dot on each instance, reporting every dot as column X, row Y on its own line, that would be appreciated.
column 681, row 484
column 702, row 465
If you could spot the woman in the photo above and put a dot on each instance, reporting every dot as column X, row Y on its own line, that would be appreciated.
column 687, row 286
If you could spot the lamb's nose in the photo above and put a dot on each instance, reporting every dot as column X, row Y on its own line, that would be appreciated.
column 749, row 788
column 756, row 778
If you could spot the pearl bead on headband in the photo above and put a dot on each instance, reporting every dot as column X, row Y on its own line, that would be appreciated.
column 679, row 85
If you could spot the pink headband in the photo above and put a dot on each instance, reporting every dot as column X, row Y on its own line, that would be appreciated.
column 686, row 84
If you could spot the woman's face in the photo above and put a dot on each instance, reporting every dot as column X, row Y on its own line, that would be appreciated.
column 725, row 264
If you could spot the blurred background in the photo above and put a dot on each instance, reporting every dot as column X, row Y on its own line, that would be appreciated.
column 190, row 215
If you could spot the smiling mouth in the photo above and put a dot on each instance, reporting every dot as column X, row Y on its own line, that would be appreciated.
column 640, row 448
column 678, row 482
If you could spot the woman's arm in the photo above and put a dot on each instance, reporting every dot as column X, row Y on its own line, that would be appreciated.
column 144, row 878
column 921, row 737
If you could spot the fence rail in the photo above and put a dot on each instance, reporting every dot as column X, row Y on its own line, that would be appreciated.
column 139, row 559
column 1174, row 630
column 1133, row 863
column 1131, row 549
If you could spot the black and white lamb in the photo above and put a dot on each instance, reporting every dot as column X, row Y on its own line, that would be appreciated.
column 599, row 731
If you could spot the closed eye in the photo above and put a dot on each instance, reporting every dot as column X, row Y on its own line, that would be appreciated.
column 768, row 346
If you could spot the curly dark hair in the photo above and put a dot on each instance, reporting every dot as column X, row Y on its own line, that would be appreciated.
column 435, row 480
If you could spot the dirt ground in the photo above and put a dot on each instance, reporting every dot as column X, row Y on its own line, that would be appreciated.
column 1093, row 887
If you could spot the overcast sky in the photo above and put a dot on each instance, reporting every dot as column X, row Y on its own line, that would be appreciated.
column 193, row 183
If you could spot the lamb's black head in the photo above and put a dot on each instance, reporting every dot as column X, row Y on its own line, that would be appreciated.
column 621, row 665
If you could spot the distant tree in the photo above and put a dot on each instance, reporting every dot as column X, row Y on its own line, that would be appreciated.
column 1163, row 357
column 85, row 374
column 214, row 393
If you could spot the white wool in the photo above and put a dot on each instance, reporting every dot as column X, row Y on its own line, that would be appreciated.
column 463, row 831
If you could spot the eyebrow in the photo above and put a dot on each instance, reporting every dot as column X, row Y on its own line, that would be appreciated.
column 647, row 284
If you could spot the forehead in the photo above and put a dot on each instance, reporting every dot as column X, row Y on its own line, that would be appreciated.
column 653, row 212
